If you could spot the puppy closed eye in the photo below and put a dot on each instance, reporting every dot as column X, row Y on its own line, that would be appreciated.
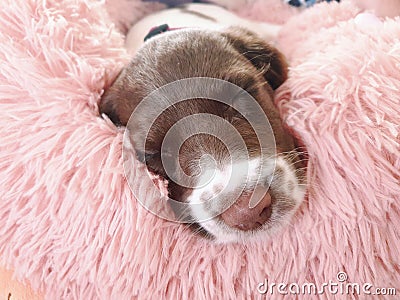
column 240, row 108
column 145, row 157
column 244, row 79
column 233, row 115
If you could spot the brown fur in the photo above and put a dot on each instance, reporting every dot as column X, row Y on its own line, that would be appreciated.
column 234, row 55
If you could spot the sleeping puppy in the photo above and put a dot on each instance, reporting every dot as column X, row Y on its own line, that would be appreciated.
column 233, row 171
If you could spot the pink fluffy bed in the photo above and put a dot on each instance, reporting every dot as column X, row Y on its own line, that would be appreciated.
column 69, row 223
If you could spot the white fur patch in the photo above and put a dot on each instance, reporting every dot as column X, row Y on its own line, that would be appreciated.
column 233, row 178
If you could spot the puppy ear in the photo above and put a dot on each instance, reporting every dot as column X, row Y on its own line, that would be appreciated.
column 263, row 56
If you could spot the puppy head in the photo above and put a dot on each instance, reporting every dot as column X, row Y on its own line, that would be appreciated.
column 218, row 157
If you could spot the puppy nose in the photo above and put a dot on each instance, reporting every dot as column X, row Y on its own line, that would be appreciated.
column 241, row 215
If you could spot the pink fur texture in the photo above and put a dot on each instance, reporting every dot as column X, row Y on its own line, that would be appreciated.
column 69, row 222
column 272, row 11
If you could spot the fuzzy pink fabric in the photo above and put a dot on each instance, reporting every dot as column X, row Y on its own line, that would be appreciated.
column 273, row 11
column 70, row 225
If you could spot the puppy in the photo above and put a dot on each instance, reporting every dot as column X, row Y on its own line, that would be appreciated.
column 197, row 103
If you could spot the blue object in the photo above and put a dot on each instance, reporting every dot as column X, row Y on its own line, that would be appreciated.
column 297, row 3
column 306, row 3
column 173, row 2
